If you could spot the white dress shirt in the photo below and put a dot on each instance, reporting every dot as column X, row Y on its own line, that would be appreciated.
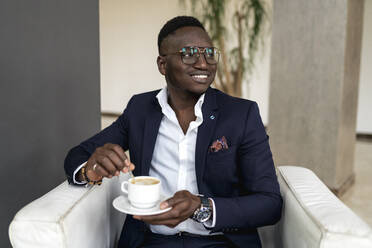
column 173, row 162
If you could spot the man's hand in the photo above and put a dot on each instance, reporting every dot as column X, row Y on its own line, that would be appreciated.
column 107, row 161
column 183, row 205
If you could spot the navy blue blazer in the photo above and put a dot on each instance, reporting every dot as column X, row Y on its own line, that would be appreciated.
column 241, row 179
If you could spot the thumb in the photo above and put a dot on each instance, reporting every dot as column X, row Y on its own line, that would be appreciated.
column 168, row 203
column 164, row 205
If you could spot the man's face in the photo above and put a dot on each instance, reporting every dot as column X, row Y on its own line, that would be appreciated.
column 195, row 78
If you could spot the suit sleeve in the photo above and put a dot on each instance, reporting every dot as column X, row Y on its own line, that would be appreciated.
column 261, row 202
column 116, row 133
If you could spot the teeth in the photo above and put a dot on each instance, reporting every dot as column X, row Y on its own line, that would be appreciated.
column 200, row 76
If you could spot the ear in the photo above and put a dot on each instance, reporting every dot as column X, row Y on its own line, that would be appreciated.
column 161, row 64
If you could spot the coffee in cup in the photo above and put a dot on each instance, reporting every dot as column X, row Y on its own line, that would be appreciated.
column 145, row 181
column 142, row 191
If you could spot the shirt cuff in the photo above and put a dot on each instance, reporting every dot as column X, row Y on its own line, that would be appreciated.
column 211, row 222
column 75, row 172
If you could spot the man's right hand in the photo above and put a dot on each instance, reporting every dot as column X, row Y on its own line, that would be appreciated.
column 107, row 161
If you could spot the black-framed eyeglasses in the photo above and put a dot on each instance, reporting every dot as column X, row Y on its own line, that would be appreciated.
column 190, row 55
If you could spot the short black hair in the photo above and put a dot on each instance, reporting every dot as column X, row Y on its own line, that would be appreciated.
column 176, row 23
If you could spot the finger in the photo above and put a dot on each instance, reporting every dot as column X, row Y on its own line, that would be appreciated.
column 116, row 160
column 116, row 154
column 100, row 171
column 91, row 172
column 177, row 212
column 158, row 217
column 171, row 221
column 118, row 150
column 132, row 166
column 106, row 163
column 164, row 205
column 176, row 199
column 154, row 220
column 128, row 166
column 121, row 153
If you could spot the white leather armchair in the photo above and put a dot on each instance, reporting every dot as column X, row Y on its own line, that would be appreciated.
column 70, row 216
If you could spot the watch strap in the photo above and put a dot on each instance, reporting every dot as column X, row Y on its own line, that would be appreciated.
column 205, row 202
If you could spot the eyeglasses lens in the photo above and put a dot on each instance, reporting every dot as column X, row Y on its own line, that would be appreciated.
column 190, row 55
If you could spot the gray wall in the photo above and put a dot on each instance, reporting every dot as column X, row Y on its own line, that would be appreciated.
column 49, row 94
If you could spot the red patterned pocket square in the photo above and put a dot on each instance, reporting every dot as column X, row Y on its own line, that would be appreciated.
column 219, row 144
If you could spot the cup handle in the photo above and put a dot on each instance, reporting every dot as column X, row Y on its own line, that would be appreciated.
column 124, row 186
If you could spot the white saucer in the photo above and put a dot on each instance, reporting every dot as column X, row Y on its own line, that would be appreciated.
column 122, row 204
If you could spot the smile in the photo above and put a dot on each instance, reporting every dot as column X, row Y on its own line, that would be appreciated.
column 200, row 76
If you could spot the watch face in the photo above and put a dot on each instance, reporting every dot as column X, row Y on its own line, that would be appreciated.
column 203, row 215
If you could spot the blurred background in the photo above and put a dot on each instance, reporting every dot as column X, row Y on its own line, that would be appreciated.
column 68, row 68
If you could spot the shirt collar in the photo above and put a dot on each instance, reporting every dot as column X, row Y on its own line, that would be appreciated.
column 166, row 109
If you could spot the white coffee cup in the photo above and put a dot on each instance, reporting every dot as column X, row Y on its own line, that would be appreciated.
column 142, row 191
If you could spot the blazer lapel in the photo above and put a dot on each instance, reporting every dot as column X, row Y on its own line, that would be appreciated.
column 205, row 133
column 152, row 124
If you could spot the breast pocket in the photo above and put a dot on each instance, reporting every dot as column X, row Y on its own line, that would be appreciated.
column 222, row 156
column 221, row 171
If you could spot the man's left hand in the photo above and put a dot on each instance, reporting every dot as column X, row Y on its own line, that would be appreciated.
column 183, row 205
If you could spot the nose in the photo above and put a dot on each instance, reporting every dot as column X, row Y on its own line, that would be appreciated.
column 201, row 63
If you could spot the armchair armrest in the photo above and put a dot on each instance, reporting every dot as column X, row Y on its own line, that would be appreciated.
column 313, row 216
column 70, row 216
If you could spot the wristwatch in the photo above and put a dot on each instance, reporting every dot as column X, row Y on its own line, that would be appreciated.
column 204, row 212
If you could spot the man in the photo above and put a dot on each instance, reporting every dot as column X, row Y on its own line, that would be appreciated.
column 210, row 151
